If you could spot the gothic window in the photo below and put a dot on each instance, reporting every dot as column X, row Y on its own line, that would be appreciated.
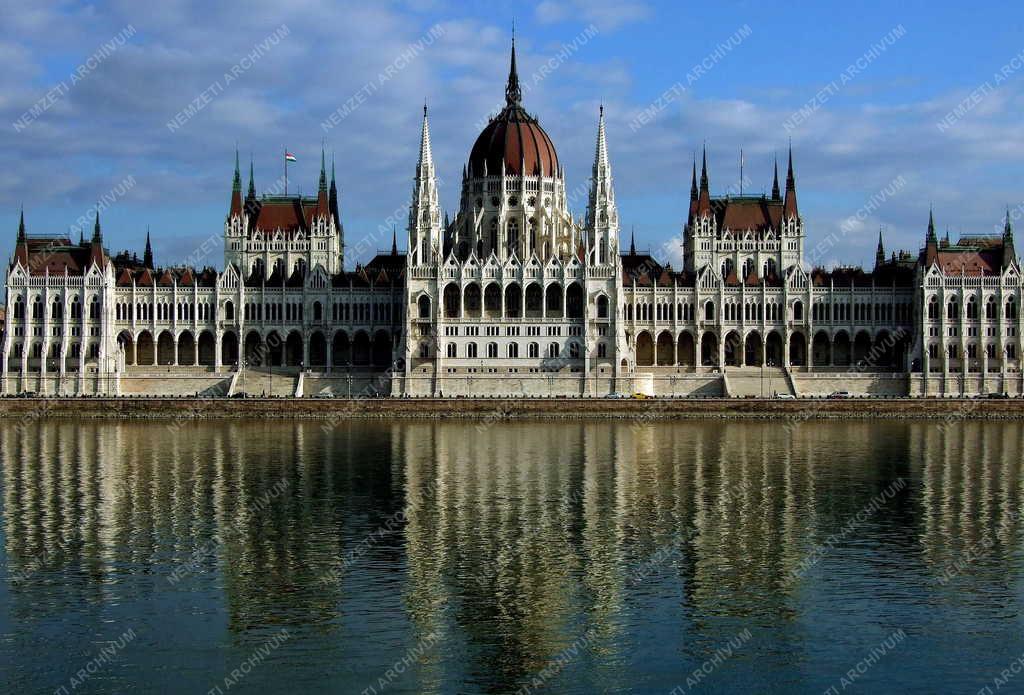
column 450, row 351
column 574, row 351
column 798, row 311
column 533, row 351
column 972, row 308
column 76, row 308
column 933, row 309
column 709, row 311
column 57, row 312
column 990, row 308
column 602, row 307
column 513, row 236
column 1011, row 308
column 19, row 308
column 952, row 310
column 37, row 308
column 494, row 234
column 492, row 350
column 602, row 350
column 424, row 351
column 513, row 350
column 553, row 349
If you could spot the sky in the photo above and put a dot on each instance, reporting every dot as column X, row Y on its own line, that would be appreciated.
column 890, row 107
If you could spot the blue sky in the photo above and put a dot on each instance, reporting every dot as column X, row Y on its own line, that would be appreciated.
column 880, row 126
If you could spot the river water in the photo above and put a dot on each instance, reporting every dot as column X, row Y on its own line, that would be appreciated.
column 491, row 556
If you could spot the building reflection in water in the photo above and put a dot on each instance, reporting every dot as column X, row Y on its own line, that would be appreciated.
column 508, row 542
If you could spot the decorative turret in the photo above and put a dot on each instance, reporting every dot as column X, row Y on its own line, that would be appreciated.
column 789, row 208
column 1009, row 253
column 879, row 252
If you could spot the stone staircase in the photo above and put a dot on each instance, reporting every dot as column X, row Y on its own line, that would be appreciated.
column 760, row 382
column 257, row 383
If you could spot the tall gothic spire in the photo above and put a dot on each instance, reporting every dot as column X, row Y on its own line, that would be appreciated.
column 513, row 93
column 704, row 195
column 21, row 226
column 424, row 212
column 147, row 256
column 323, row 170
column 252, row 180
column 790, row 207
column 97, row 236
column 931, row 225
column 632, row 241
column 1009, row 252
column 602, row 214
column 879, row 251
column 236, row 189
column 776, row 195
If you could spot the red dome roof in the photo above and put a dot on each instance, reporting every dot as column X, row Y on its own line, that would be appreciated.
column 515, row 138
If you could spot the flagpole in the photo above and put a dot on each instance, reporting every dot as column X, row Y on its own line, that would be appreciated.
column 286, row 171
column 741, row 172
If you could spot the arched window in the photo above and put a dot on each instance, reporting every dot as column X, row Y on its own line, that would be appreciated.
column 513, row 350
column 229, row 311
column 450, row 350
column 37, row 308
column 553, row 350
column 533, row 350
column 933, row 308
column 471, row 350
column 952, row 309
column 423, row 306
column 972, row 308
column 1011, row 308
column 574, row 350
column 990, row 308
column 798, row 311
column 76, row 308
column 19, row 308
column 512, row 236
column 709, row 311
column 57, row 310
column 494, row 234
column 492, row 350
column 602, row 307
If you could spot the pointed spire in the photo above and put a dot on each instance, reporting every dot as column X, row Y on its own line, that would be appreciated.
column 21, row 226
column 693, row 181
column 776, row 195
column 147, row 256
column 790, row 207
column 394, row 240
column 236, row 184
column 704, row 196
column 97, row 236
column 632, row 241
column 513, row 93
column 426, row 153
column 880, row 251
column 323, row 170
column 236, row 189
column 931, row 225
column 1009, row 251
column 252, row 179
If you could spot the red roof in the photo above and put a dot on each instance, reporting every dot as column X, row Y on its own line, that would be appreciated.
column 515, row 138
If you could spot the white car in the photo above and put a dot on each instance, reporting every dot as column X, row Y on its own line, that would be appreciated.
column 785, row 396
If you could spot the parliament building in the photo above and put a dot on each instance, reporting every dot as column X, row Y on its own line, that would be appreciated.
column 514, row 296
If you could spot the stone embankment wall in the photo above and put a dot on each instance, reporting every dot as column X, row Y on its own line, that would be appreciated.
column 27, row 409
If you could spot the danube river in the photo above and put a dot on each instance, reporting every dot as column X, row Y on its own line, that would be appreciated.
column 490, row 557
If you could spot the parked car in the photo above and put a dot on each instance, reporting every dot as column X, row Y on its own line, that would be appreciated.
column 640, row 396
column 840, row 394
column 785, row 396
column 998, row 395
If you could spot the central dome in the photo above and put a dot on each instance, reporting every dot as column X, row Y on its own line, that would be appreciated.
column 515, row 138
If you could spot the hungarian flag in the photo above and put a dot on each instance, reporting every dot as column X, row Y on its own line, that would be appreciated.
column 289, row 157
